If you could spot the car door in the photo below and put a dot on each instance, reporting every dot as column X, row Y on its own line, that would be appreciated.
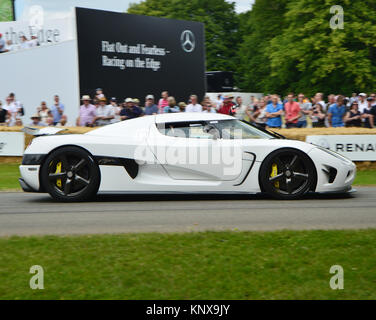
column 193, row 150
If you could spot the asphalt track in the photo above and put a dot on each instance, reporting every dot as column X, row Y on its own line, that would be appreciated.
column 37, row 214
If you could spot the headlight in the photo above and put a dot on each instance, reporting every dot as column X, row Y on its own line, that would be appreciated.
column 335, row 154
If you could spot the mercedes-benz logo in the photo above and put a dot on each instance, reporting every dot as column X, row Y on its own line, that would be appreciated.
column 188, row 41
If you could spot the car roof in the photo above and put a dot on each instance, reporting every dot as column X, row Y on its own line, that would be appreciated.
column 190, row 116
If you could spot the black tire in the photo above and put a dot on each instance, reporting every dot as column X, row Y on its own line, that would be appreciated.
column 70, row 174
column 287, row 174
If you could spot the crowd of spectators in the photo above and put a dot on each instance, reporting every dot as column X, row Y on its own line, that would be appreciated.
column 270, row 111
column 12, row 113
column 25, row 43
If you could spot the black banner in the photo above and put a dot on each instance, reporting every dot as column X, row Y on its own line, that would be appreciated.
column 133, row 55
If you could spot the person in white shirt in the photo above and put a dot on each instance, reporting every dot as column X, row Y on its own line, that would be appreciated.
column 362, row 102
column 104, row 113
column 219, row 102
column 319, row 99
column 117, row 109
column 193, row 106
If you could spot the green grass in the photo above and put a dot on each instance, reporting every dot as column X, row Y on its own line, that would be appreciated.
column 9, row 175
column 365, row 178
column 5, row 10
column 210, row 265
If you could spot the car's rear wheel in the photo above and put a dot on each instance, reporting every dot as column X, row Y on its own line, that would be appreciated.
column 70, row 174
column 287, row 174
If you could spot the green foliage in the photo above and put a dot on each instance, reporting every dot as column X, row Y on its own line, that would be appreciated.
column 259, row 26
column 302, row 53
column 5, row 10
column 310, row 56
column 219, row 17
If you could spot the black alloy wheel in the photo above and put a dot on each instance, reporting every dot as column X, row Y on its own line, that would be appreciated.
column 70, row 174
column 287, row 174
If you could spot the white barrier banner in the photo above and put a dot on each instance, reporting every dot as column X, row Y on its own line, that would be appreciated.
column 354, row 147
column 12, row 143
column 51, row 31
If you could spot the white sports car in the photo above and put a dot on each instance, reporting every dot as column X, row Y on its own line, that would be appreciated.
column 179, row 153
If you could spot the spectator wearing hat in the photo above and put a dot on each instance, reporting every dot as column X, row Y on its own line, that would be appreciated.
column 182, row 106
column 87, row 113
column 193, row 106
column 292, row 112
column 136, row 102
column 36, row 121
column 130, row 111
column 104, row 113
column 336, row 113
column 172, row 107
column 228, row 106
column 150, row 107
column 363, row 104
column 57, row 109
column 274, row 112
column 163, row 102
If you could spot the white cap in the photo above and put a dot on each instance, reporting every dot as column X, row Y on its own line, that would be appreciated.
column 363, row 94
column 128, row 100
column 149, row 96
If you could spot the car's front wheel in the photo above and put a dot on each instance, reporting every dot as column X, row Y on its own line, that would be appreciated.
column 70, row 174
column 287, row 174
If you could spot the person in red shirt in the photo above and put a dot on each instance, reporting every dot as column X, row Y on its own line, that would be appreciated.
column 227, row 106
column 292, row 112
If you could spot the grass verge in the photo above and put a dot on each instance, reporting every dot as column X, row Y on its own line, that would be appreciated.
column 209, row 265
column 9, row 174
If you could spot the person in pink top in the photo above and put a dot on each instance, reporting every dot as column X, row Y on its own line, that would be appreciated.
column 292, row 112
column 163, row 102
column 87, row 113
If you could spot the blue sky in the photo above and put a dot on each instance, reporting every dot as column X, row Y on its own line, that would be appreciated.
column 56, row 8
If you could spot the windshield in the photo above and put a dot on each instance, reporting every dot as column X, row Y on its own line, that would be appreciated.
column 213, row 129
column 235, row 129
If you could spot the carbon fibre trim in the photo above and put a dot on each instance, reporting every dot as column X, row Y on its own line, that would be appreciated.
column 130, row 165
column 33, row 159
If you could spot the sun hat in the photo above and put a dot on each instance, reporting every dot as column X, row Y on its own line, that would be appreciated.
column 85, row 97
column 128, row 100
column 149, row 96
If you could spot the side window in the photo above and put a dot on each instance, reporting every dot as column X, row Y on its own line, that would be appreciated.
column 192, row 130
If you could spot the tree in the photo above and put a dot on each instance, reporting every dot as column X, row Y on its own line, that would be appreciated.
column 5, row 10
column 257, row 28
column 219, row 17
column 310, row 56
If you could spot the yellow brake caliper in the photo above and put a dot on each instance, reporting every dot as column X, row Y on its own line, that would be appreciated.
column 58, row 170
column 274, row 173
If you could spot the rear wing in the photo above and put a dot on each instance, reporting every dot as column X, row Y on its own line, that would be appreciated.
column 46, row 131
